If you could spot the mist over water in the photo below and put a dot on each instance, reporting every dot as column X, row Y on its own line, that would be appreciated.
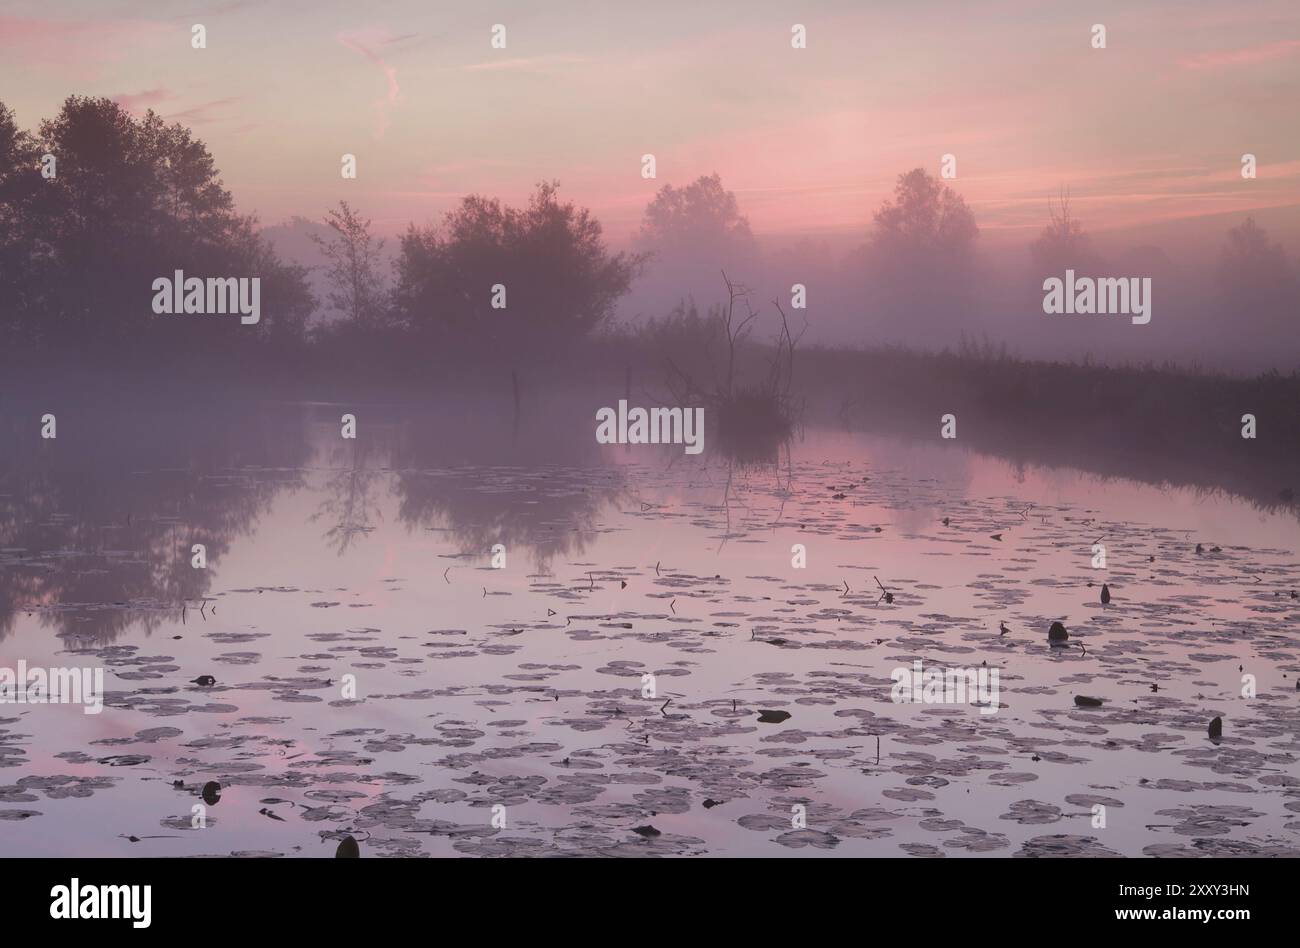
column 628, row 432
column 522, row 686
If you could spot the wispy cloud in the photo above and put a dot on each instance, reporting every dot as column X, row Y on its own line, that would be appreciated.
column 1245, row 56
column 79, row 46
column 531, row 64
column 203, row 113
column 136, row 101
column 362, row 44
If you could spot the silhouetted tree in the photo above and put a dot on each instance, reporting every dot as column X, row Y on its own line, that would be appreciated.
column 20, row 181
column 560, row 280
column 688, row 235
column 926, row 223
column 352, row 268
column 920, row 257
column 1062, row 244
column 703, row 216
column 1258, row 283
column 132, row 200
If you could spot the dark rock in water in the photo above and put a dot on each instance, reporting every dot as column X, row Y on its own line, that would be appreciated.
column 1216, row 727
column 348, row 849
column 1084, row 701
column 710, row 803
column 1057, row 633
column 205, row 681
column 1105, row 594
column 649, row 832
column 211, row 793
column 773, row 717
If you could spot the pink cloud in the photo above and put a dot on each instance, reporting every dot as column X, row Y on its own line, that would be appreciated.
column 382, row 105
column 78, row 46
column 534, row 64
column 135, row 101
column 1246, row 56
column 200, row 114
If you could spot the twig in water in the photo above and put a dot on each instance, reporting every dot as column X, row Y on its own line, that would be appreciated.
column 885, row 594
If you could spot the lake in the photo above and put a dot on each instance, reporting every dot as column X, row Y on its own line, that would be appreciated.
column 638, row 669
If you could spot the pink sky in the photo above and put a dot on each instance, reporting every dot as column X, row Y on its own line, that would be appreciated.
column 1150, row 129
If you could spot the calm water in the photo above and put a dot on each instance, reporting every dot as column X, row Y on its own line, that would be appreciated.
column 517, row 692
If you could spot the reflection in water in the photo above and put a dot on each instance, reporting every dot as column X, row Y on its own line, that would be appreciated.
column 547, row 513
column 97, row 525
column 349, row 505
column 525, row 687
column 536, row 492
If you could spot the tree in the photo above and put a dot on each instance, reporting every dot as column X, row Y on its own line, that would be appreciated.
column 352, row 268
column 701, row 216
column 1257, row 281
column 1062, row 245
column 547, row 263
column 20, row 180
column 132, row 200
column 919, row 263
column 927, row 223
column 689, row 234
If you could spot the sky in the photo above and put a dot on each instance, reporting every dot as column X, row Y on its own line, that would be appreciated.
column 1146, row 132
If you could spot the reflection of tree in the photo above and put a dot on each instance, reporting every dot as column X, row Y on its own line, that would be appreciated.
column 541, row 490
column 96, row 528
column 349, row 502
column 758, row 459
column 547, row 511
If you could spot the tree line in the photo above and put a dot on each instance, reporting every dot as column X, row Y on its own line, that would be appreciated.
column 95, row 204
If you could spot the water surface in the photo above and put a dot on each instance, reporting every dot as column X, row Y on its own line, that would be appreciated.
column 521, row 687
